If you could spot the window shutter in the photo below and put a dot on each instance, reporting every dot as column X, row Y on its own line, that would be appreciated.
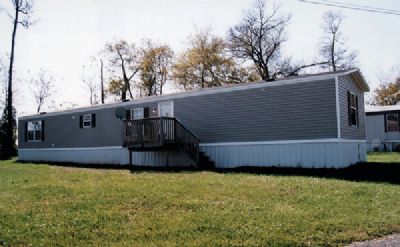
column 385, row 121
column 146, row 112
column 349, row 107
column 26, row 131
column 81, row 121
column 128, row 114
column 93, row 120
column 357, row 110
column 42, row 130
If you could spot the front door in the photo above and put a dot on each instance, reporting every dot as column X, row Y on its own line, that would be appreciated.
column 166, row 109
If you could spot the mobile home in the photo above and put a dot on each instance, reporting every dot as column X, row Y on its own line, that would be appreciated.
column 383, row 128
column 302, row 121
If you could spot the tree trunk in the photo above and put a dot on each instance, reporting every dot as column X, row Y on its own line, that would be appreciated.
column 333, row 53
column 8, row 151
column 102, row 81
column 125, row 87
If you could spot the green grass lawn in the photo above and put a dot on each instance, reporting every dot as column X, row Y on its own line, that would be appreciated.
column 43, row 205
column 393, row 157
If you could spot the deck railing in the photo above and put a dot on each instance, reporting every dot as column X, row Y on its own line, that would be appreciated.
column 160, row 132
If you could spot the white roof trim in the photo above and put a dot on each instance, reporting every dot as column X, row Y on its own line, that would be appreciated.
column 364, row 85
column 383, row 109
column 231, row 88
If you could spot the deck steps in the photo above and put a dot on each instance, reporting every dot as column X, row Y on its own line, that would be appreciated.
column 205, row 162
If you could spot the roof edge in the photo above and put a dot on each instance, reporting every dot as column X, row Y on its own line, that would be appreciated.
column 359, row 78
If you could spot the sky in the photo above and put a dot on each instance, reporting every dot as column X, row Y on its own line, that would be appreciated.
column 66, row 34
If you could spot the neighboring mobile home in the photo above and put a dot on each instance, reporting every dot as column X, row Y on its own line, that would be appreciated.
column 383, row 128
column 303, row 121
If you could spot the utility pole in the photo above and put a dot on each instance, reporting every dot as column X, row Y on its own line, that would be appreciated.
column 102, row 81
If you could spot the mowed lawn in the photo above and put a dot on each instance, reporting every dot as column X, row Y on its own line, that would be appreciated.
column 42, row 205
column 382, row 157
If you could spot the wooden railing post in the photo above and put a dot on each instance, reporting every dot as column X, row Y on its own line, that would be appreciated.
column 162, row 130
column 175, row 132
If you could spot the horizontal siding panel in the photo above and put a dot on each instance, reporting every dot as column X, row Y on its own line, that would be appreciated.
column 287, row 112
column 296, row 111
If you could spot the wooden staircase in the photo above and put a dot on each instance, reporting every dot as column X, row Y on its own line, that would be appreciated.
column 205, row 162
column 164, row 133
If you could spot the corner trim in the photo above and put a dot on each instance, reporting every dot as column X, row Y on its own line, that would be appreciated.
column 337, row 106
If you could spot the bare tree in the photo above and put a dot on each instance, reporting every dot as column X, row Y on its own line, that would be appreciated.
column 92, row 88
column 333, row 48
column 123, row 56
column 42, row 88
column 259, row 38
column 22, row 11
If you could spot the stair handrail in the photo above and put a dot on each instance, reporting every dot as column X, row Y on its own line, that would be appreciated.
column 191, row 143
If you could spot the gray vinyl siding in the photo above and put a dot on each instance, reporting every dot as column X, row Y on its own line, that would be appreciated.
column 63, row 130
column 295, row 111
column 288, row 112
column 346, row 84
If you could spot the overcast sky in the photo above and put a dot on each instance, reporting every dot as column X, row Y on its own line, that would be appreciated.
column 68, row 33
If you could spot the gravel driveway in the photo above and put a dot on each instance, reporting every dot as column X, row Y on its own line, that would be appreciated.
column 388, row 241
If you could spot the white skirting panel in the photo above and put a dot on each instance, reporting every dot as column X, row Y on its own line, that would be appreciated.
column 335, row 154
column 104, row 155
column 318, row 154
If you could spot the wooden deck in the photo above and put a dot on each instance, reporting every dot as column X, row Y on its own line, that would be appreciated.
column 161, row 133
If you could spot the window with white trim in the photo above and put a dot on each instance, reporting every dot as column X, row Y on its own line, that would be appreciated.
column 34, row 131
column 392, row 122
column 87, row 121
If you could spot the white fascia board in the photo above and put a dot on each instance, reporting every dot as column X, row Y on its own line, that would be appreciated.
column 72, row 149
column 327, row 140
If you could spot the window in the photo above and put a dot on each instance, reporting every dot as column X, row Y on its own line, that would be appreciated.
column 137, row 113
column 353, row 109
column 392, row 122
column 35, row 131
column 87, row 121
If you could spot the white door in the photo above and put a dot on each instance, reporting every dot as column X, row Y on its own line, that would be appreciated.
column 166, row 109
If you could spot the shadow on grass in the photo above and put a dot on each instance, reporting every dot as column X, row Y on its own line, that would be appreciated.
column 366, row 172
column 362, row 172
